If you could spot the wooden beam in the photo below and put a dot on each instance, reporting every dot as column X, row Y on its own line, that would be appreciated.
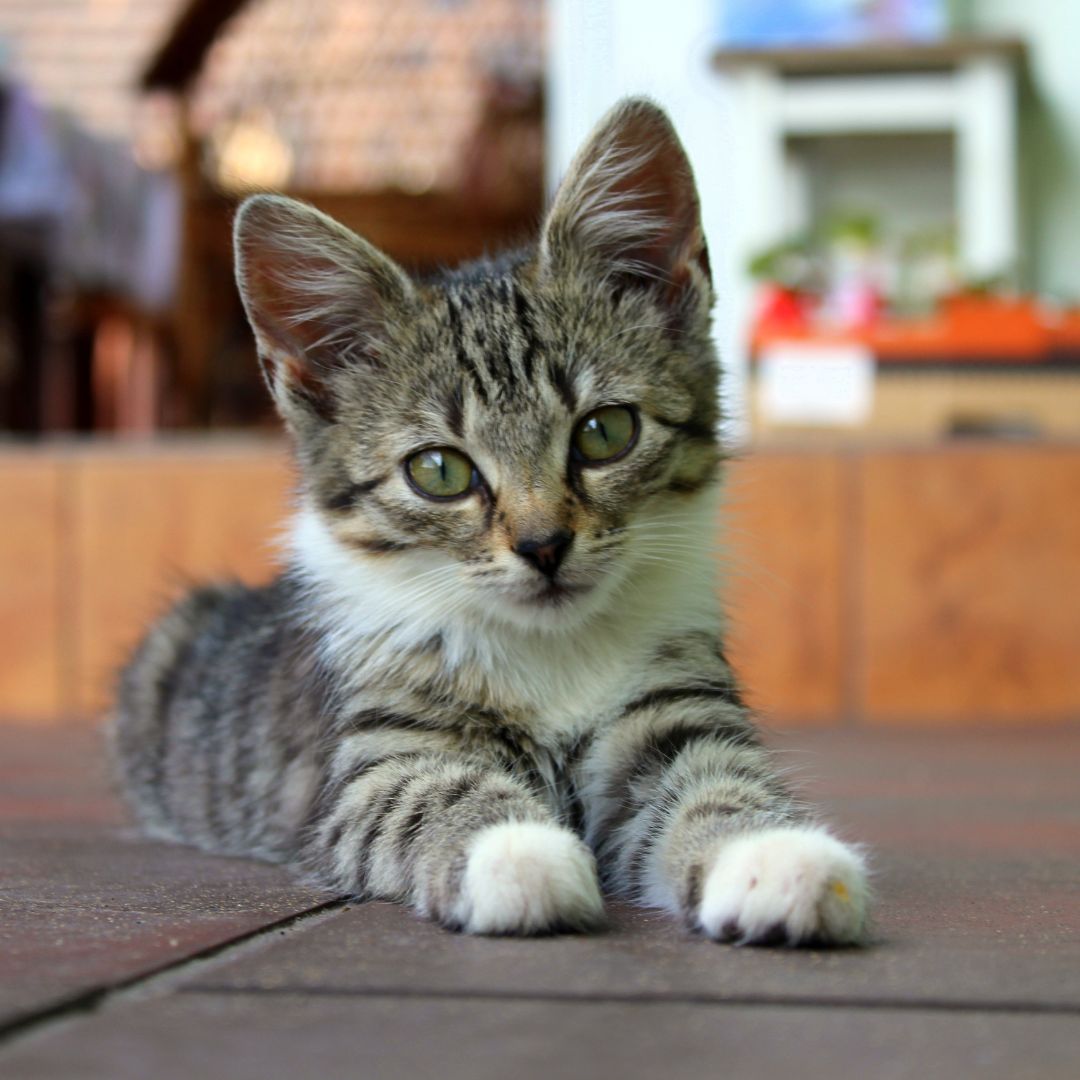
column 180, row 56
column 872, row 57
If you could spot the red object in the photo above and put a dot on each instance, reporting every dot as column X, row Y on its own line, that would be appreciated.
column 1065, row 330
column 782, row 311
column 967, row 326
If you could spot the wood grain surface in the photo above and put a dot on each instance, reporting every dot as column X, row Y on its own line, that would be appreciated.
column 880, row 586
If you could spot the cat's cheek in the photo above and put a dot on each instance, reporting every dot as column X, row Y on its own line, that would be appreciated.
column 528, row 878
column 785, row 886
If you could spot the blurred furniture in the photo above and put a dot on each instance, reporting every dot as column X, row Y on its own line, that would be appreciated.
column 964, row 88
column 906, row 584
column 419, row 128
column 981, row 364
column 915, row 399
column 86, row 254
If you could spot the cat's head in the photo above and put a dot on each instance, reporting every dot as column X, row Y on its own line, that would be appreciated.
column 522, row 427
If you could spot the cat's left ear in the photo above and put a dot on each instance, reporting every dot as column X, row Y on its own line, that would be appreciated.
column 628, row 209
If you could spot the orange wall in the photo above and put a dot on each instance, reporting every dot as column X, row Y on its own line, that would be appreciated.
column 97, row 540
column 935, row 586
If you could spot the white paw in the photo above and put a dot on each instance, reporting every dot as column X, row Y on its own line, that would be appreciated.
column 525, row 878
column 785, row 886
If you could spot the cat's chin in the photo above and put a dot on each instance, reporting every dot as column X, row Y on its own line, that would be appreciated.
column 552, row 608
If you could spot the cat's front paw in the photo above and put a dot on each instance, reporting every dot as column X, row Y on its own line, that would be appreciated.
column 788, row 886
column 528, row 878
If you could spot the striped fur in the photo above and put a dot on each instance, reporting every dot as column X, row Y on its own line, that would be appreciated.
column 413, row 711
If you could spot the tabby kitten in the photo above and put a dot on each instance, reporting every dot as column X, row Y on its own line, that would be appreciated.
column 491, row 680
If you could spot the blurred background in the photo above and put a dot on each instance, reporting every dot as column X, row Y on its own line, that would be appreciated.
column 891, row 190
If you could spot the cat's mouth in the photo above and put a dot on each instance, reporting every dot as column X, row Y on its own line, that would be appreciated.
column 554, row 594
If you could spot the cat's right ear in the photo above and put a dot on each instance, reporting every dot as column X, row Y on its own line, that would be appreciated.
column 319, row 298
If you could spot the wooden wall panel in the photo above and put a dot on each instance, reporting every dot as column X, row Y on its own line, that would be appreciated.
column 31, row 673
column 935, row 586
column 781, row 536
column 149, row 525
column 970, row 593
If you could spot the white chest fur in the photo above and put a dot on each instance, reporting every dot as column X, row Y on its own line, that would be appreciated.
column 375, row 613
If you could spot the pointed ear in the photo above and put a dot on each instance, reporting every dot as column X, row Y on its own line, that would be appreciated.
column 318, row 297
column 628, row 209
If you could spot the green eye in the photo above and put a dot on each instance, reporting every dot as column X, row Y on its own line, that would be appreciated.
column 605, row 434
column 441, row 473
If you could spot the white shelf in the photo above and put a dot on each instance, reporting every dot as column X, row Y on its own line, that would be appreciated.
column 966, row 89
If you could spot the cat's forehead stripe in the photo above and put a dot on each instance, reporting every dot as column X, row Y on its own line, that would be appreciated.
column 560, row 379
column 466, row 362
column 523, row 312
column 493, row 326
column 455, row 412
column 492, row 347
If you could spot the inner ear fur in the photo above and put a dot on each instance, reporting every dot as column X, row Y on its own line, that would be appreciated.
column 628, row 207
column 318, row 296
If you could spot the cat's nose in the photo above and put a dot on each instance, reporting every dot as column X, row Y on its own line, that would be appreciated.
column 547, row 554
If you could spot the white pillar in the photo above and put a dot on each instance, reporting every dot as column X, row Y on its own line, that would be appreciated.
column 986, row 166
column 581, row 47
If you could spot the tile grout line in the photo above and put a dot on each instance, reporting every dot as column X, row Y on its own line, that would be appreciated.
column 739, row 1000
column 89, row 1002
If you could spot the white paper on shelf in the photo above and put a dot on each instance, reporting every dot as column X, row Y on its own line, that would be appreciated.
column 816, row 384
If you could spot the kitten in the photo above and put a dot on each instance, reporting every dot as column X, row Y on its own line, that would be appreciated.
column 491, row 678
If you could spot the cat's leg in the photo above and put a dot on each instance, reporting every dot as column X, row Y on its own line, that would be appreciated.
column 462, row 840
column 686, row 811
